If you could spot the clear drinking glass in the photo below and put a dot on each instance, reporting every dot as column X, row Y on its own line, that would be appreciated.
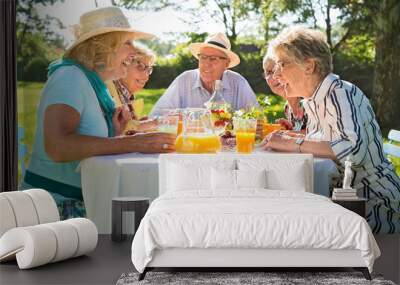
column 175, row 112
column 245, row 130
column 168, row 124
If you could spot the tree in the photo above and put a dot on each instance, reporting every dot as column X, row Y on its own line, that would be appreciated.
column 227, row 12
column 269, row 12
column 154, row 5
column 29, row 21
column 37, row 41
column 360, row 22
column 386, row 90
column 352, row 14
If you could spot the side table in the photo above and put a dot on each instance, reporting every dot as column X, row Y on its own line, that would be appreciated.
column 357, row 205
column 139, row 205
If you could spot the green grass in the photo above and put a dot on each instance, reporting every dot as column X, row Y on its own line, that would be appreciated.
column 150, row 97
column 28, row 94
column 396, row 163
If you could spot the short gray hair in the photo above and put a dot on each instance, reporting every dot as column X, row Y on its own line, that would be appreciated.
column 302, row 43
column 142, row 52
column 267, row 58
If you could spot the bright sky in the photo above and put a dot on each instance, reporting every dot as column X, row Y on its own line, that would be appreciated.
column 161, row 23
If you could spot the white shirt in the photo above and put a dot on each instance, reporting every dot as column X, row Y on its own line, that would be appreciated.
column 187, row 91
column 340, row 113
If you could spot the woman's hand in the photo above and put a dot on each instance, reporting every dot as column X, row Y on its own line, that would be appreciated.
column 153, row 142
column 284, row 142
column 120, row 119
column 63, row 143
column 279, row 141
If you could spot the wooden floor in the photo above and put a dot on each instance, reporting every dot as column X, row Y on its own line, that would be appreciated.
column 110, row 259
column 102, row 266
column 388, row 264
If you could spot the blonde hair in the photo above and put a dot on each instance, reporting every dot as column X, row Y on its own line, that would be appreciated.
column 301, row 43
column 97, row 52
column 143, row 53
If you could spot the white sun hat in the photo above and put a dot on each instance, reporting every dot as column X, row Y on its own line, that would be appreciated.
column 217, row 41
column 101, row 21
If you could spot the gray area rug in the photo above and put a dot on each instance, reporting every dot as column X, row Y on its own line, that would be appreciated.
column 243, row 278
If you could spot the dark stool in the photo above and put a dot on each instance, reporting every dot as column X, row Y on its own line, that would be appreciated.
column 139, row 205
column 357, row 205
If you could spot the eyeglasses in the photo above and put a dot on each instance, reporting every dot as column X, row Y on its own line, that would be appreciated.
column 267, row 74
column 281, row 64
column 211, row 58
column 142, row 67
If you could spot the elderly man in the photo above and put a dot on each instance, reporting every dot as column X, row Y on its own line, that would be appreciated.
column 194, row 87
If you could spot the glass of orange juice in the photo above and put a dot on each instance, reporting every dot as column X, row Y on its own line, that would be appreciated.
column 269, row 128
column 245, row 130
column 180, row 125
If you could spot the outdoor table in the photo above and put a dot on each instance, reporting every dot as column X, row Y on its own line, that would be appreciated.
column 134, row 174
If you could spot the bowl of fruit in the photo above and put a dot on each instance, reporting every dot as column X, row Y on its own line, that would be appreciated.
column 220, row 119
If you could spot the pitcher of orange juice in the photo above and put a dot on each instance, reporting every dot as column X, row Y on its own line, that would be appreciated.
column 198, row 135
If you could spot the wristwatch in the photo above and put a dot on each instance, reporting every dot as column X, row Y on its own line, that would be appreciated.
column 298, row 143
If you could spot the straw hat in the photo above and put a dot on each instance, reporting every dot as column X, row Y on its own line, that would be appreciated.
column 220, row 42
column 101, row 21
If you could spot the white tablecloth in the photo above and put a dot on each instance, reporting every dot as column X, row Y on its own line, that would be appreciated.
column 133, row 174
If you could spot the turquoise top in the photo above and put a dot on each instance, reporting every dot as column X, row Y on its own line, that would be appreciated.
column 103, row 95
column 67, row 85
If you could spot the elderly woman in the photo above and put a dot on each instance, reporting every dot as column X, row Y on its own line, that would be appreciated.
column 123, row 90
column 76, row 115
column 296, row 119
column 341, row 123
